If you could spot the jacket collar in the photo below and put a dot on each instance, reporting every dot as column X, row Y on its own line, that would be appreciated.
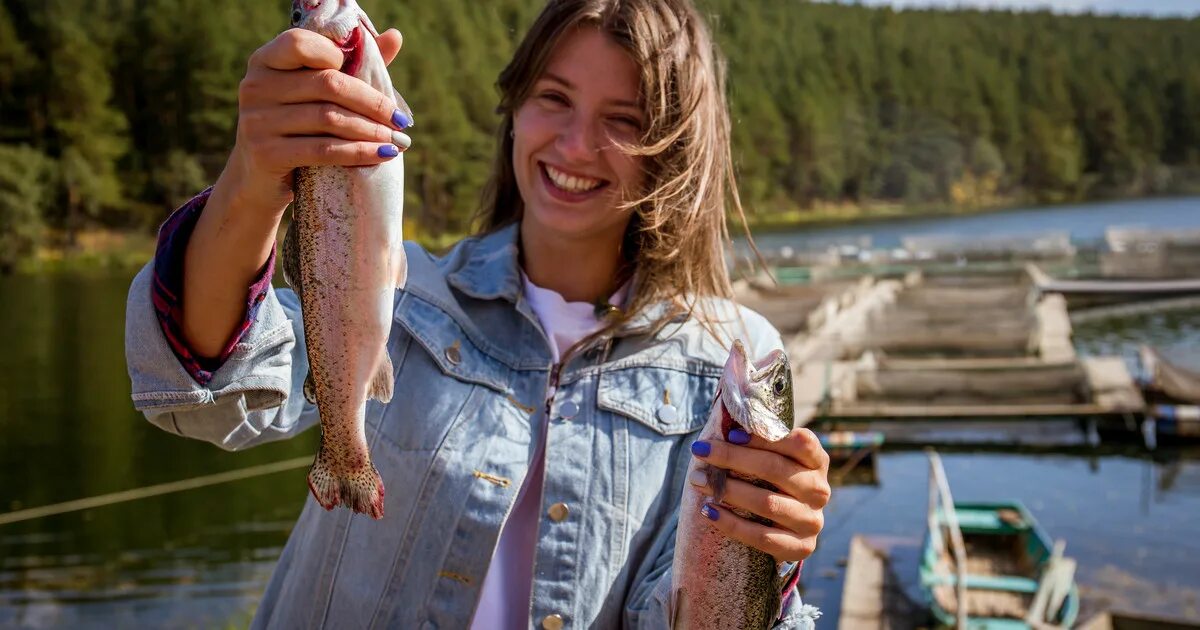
column 491, row 269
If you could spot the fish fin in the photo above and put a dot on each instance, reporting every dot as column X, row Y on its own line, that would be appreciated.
column 359, row 487
column 290, row 252
column 403, row 106
column 310, row 390
column 381, row 386
column 366, row 21
column 716, row 481
column 673, row 608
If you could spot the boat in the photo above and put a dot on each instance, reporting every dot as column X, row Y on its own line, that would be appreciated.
column 1174, row 394
column 852, row 457
column 996, row 561
column 1163, row 379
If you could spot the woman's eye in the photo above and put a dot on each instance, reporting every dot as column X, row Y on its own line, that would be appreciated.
column 629, row 123
column 554, row 97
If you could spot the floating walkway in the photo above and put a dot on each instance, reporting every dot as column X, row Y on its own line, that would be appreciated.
column 952, row 349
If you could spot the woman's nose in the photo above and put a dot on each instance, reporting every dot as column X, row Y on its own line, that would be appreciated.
column 577, row 140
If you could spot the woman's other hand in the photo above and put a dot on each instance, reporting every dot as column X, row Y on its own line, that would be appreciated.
column 296, row 108
column 797, row 465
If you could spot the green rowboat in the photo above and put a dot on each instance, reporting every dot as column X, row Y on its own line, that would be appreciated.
column 996, row 558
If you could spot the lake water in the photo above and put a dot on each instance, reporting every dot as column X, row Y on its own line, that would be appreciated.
column 200, row 558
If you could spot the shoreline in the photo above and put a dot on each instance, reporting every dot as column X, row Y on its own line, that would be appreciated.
column 108, row 250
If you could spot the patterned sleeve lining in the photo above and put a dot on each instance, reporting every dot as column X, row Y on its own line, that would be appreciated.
column 167, row 290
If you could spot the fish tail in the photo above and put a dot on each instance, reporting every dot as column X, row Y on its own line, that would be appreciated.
column 357, row 487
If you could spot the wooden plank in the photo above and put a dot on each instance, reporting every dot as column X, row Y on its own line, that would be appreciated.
column 1054, row 329
column 959, row 412
column 975, row 363
column 1112, row 386
column 863, row 589
column 1041, row 600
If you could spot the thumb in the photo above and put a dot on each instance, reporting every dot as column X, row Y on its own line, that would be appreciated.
column 389, row 43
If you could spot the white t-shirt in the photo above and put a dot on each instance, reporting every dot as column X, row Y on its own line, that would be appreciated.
column 506, row 592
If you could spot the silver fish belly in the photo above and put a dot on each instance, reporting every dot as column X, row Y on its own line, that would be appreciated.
column 344, row 256
column 717, row 582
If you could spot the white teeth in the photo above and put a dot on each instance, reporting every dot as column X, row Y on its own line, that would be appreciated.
column 570, row 183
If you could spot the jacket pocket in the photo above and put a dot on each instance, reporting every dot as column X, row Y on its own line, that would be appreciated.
column 442, row 381
column 667, row 400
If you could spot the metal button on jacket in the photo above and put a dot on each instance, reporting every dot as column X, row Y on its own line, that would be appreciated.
column 453, row 354
column 552, row 622
column 559, row 512
column 668, row 413
column 568, row 410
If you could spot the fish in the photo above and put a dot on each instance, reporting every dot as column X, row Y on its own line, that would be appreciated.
column 718, row 582
column 343, row 254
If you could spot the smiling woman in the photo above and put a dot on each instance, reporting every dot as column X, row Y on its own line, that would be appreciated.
column 550, row 374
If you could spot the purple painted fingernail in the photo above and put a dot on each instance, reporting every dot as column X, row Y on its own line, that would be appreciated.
column 401, row 120
column 700, row 448
column 388, row 151
column 738, row 436
column 710, row 512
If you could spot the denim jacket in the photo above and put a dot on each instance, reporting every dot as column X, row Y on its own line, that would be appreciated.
column 474, row 379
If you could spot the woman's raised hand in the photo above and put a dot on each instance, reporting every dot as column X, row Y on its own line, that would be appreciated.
column 796, row 465
column 296, row 108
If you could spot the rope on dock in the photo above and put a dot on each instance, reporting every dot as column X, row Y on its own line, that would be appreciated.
column 155, row 490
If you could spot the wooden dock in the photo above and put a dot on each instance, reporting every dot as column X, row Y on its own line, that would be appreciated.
column 1102, row 291
column 942, row 348
column 872, row 595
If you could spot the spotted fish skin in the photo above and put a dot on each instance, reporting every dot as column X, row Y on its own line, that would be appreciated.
column 344, row 256
column 717, row 582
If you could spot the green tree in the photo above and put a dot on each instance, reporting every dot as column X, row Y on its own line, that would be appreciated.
column 24, row 191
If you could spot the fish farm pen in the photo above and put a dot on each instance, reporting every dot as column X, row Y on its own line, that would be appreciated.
column 950, row 333
column 966, row 345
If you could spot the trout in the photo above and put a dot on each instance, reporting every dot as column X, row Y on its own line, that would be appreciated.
column 718, row 582
column 344, row 256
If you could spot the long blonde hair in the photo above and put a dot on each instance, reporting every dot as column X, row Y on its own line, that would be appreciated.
column 677, row 234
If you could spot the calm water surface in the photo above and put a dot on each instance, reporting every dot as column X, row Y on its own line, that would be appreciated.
column 200, row 558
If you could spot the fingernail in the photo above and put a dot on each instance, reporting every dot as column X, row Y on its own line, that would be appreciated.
column 401, row 140
column 738, row 436
column 388, row 151
column 401, row 120
column 700, row 448
column 710, row 512
column 698, row 478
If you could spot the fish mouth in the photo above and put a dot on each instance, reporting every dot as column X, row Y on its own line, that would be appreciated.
column 352, row 49
column 739, row 407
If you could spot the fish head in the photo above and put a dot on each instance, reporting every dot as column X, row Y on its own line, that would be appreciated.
column 756, row 396
column 336, row 19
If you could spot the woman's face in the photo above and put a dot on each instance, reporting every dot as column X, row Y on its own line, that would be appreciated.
column 571, row 175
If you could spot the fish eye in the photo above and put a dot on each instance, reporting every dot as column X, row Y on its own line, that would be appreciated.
column 296, row 17
column 779, row 385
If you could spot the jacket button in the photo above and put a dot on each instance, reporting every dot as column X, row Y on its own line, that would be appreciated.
column 568, row 410
column 552, row 622
column 559, row 513
column 668, row 413
column 453, row 354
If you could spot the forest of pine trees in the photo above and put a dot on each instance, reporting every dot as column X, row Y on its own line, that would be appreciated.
column 114, row 111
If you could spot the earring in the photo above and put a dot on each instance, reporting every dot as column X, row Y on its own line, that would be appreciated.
column 512, row 133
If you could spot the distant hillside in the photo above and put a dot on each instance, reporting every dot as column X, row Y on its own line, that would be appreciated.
column 114, row 111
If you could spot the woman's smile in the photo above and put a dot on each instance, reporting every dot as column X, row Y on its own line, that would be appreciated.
column 569, row 186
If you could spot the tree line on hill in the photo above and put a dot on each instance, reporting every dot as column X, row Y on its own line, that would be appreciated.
column 114, row 111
